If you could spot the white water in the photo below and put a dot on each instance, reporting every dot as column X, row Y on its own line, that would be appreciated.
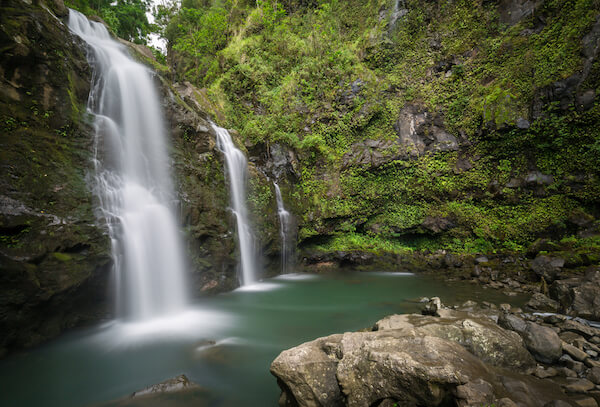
column 237, row 170
column 284, row 231
column 132, row 178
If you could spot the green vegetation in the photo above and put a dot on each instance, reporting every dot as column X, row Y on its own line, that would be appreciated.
column 320, row 76
column 127, row 18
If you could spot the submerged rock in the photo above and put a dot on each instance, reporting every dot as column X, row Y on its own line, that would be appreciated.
column 176, row 384
column 173, row 392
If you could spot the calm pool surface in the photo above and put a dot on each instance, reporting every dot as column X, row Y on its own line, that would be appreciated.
column 224, row 343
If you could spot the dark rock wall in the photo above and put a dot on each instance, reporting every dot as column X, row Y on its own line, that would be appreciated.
column 54, row 258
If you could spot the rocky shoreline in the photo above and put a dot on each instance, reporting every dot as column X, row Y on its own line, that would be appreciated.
column 471, row 354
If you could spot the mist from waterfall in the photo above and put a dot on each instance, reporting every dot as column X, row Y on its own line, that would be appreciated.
column 237, row 171
column 132, row 178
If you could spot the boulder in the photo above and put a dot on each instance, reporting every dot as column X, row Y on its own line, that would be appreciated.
column 412, row 370
column 407, row 360
column 576, row 297
column 560, row 290
column 579, row 386
column 586, row 331
column 432, row 307
column 307, row 374
column 594, row 375
column 586, row 301
column 547, row 267
column 574, row 352
column 480, row 335
column 544, row 343
column 540, row 302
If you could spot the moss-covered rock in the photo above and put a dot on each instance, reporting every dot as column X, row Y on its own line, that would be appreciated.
column 54, row 257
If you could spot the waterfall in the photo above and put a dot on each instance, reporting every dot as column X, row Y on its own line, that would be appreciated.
column 237, row 171
column 284, row 231
column 132, row 179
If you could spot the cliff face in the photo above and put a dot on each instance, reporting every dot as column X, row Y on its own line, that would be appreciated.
column 409, row 127
column 55, row 261
column 54, row 257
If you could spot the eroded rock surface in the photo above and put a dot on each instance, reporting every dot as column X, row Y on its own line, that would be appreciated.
column 54, row 255
column 411, row 360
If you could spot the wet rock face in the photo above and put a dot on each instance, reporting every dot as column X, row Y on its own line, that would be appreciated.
column 513, row 11
column 200, row 182
column 54, row 255
column 579, row 298
column 418, row 131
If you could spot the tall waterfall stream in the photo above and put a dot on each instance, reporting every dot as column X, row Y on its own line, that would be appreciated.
column 237, row 171
column 284, row 232
column 132, row 178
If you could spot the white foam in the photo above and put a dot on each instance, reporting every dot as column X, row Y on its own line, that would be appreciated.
column 391, row 273
column 188, row 325
column 296, row 276
column 260, row 286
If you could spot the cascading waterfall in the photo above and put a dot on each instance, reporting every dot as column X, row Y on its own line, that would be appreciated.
column 237, row 170
column 284, row 231
column 132, row 178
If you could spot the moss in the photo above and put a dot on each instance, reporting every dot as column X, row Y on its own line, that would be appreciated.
column 322, row 78
column 64, row 257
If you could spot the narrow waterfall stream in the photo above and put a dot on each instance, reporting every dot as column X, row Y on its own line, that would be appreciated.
column 237, row 170
column 284, row 231
column 132, row 178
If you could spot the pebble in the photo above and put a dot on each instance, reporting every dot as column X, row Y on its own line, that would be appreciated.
column 591, row 363
column 545, row 373
column 566, row 372
column 574, row 352
column 579, row 386
column 594, row 375
column 586, row 402
column 574, row 326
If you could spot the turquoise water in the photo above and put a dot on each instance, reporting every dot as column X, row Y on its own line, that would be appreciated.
column 224, row 343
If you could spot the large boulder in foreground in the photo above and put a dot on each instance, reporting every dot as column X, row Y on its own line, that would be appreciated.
column 410, row 360
column 480, row 336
